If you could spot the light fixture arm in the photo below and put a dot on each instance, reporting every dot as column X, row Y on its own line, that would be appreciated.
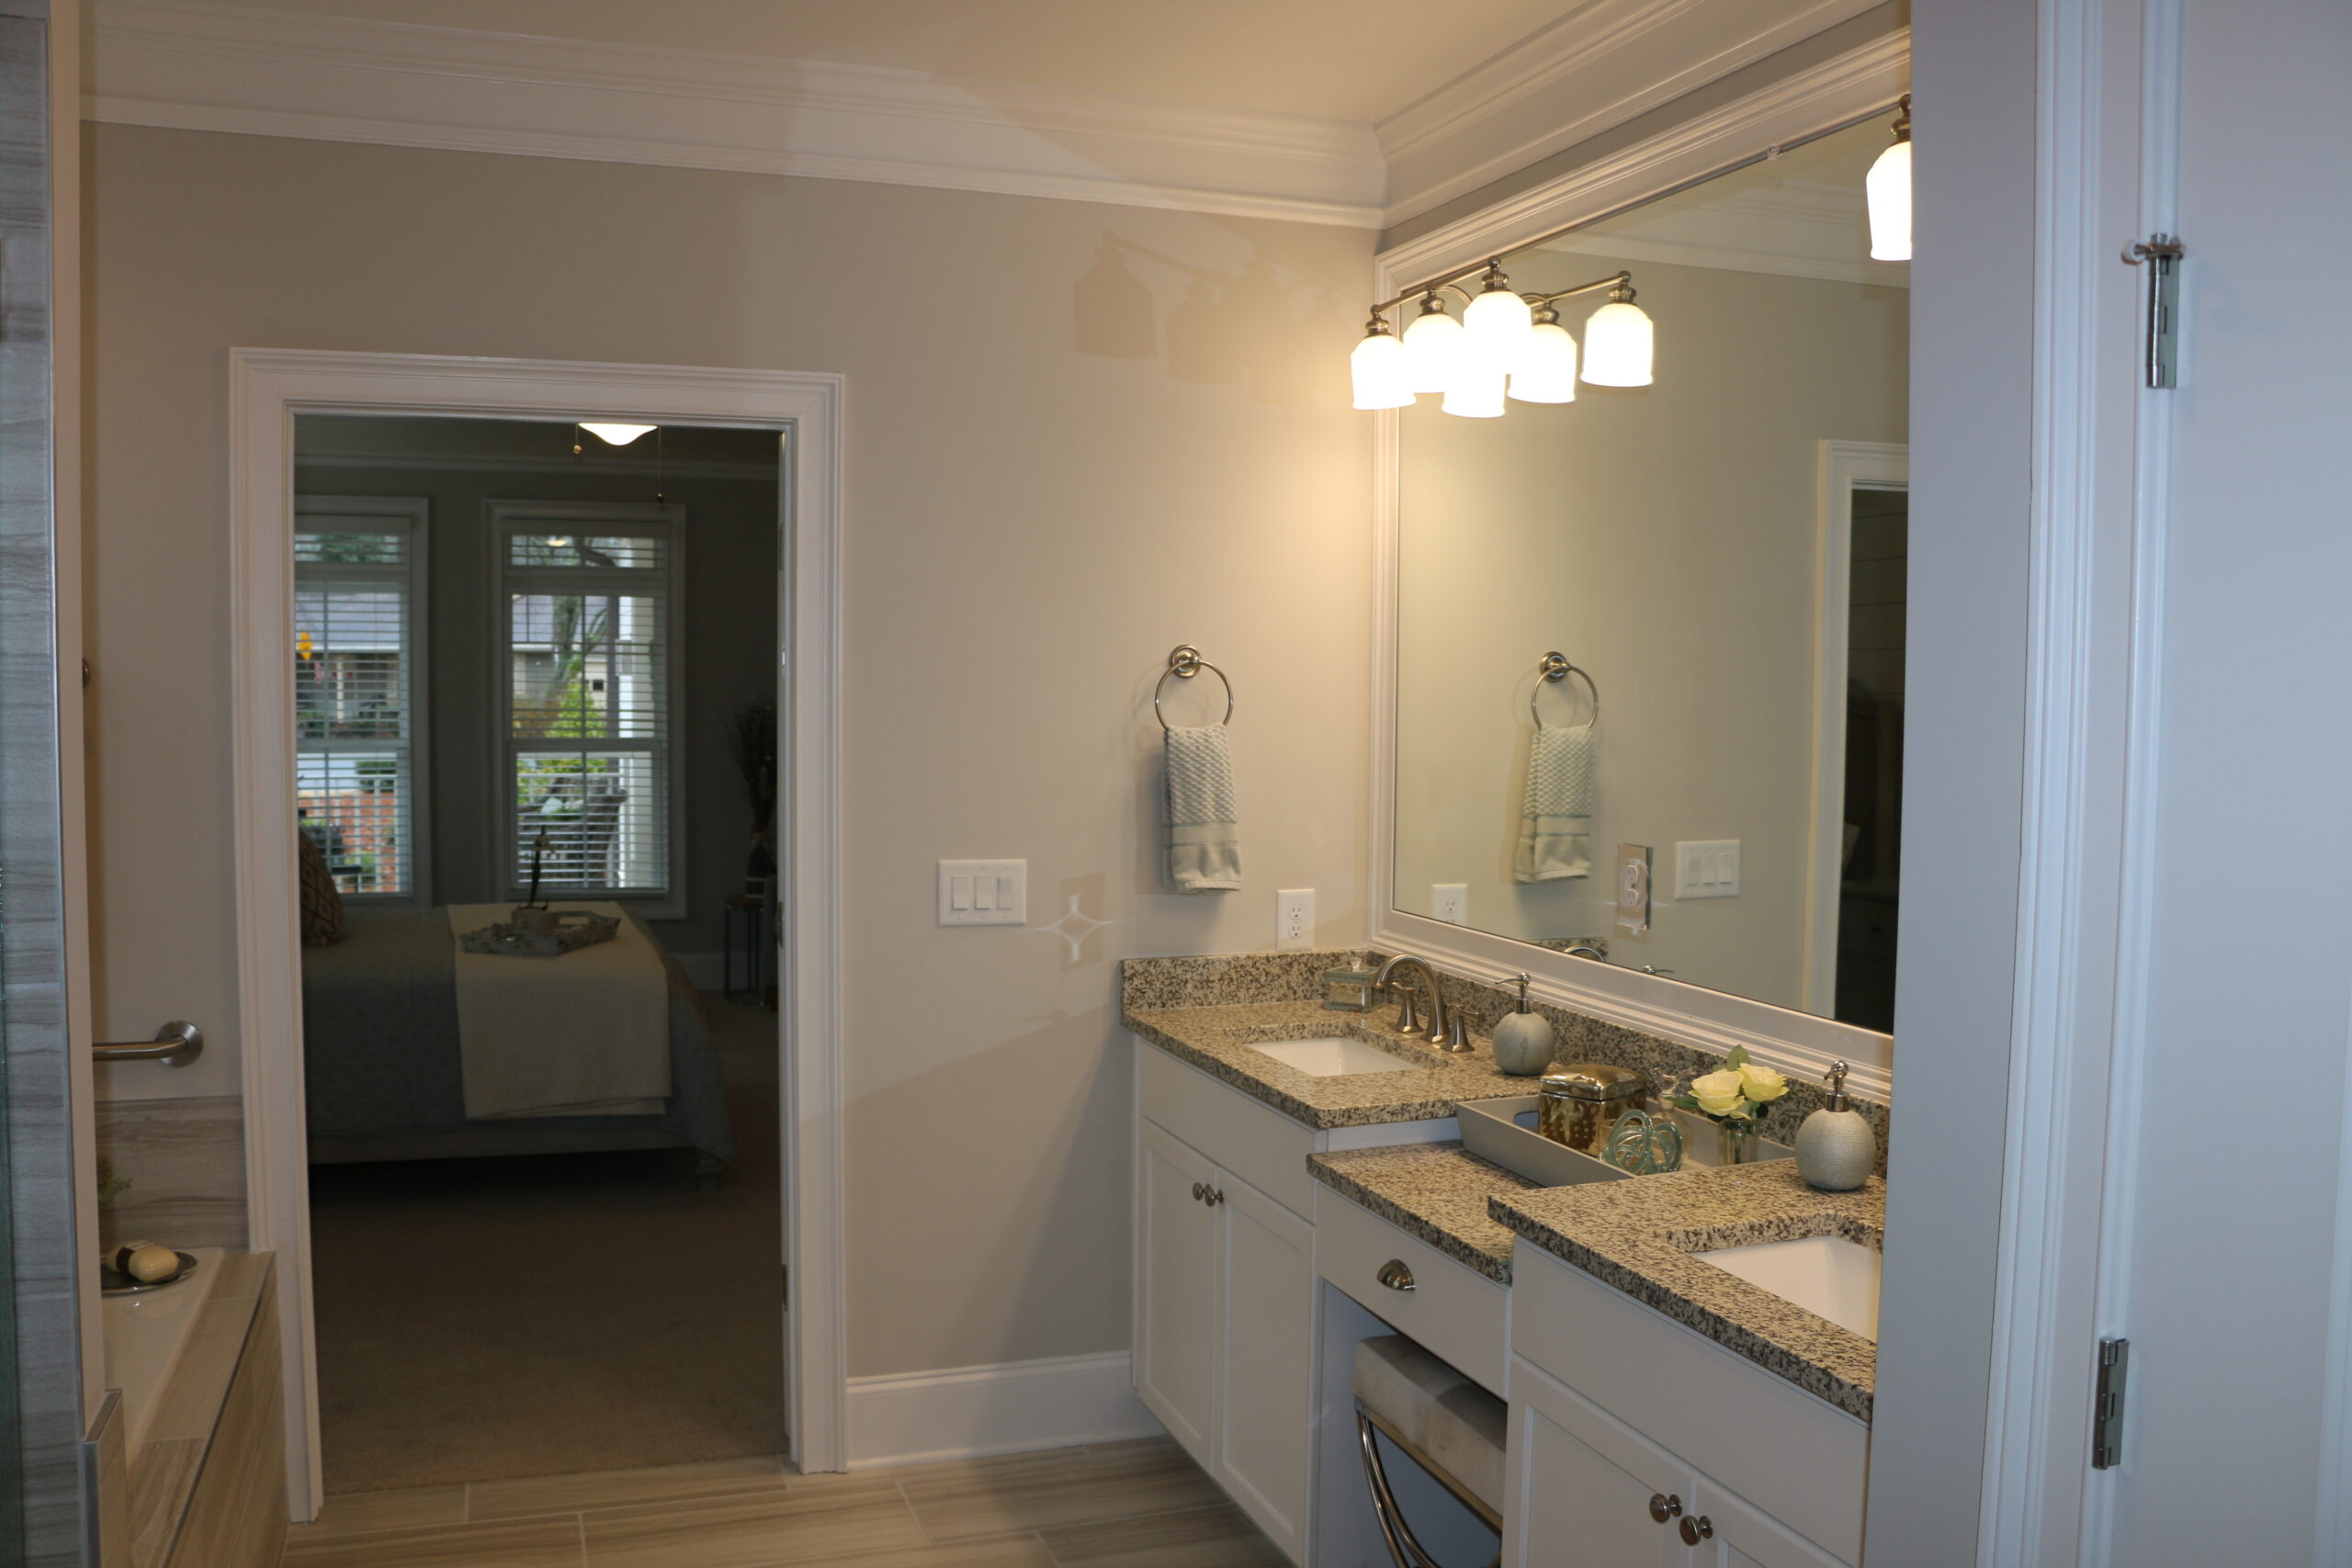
column 1492, row 266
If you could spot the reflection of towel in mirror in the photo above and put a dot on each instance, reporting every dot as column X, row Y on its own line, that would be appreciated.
column 1556, row 824
column 1204, row 844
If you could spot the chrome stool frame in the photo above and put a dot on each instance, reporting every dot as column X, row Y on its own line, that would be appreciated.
column 1404, row 1549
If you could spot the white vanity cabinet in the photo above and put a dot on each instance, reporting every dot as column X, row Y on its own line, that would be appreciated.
column 1636, row 1441
column 1225, row 1289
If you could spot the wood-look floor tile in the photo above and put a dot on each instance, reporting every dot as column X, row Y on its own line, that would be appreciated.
column 1222, row 1537
column 1003, row 1552
column 508, row 1543
column 357, row 1513
column 1062, row 1486
column 713, row 1480
column 801, row 1524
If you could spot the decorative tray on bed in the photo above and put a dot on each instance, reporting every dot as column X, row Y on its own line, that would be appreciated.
column 573, row 929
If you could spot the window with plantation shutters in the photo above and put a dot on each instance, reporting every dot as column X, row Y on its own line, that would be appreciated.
column 358, row 684
column 588, row 680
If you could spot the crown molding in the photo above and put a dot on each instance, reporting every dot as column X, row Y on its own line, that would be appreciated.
column 1802, row 230
column 1596, row 67
column 203, row 67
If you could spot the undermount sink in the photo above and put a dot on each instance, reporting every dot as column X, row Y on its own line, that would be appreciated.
column 1826, row 1275
column 1333, row 1056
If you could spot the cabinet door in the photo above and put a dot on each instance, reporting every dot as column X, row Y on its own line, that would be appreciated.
column 1578, row 1486
column 1176, row 1288
column 1740, row 1535
column 1265, row 1415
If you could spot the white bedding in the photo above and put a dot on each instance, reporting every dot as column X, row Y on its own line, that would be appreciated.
column 585, row 1034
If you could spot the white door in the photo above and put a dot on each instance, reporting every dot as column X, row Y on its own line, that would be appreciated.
column 2232, row 1272
column 1266, row 1354
column 1176, row 1288
column 1582, row 1490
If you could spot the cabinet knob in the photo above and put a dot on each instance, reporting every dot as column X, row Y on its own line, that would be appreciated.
column 1696, row 1529
column 1216, row 1195
column 1200, row 1193
column 1664, row 1507
column 1394, row 1275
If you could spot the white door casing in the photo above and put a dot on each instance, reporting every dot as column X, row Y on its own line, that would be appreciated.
column 269, row 388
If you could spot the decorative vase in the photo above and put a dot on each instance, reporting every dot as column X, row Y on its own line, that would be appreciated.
column 1735, row 1143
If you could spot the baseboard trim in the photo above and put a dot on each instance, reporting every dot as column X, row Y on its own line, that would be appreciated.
column 966, row 1412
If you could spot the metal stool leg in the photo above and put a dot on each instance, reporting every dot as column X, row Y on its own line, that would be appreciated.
column 1404, row 1549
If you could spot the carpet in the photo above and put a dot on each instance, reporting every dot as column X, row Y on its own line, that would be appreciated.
column 538, row 1315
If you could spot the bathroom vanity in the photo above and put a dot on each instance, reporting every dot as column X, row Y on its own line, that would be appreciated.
column 1664, row 1408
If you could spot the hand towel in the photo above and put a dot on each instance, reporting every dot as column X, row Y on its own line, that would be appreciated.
column 1204, row 844
column 1556, row 824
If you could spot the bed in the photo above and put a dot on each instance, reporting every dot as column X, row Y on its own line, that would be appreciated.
column 385, row 1073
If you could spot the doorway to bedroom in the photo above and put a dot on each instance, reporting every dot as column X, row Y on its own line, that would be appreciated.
column 535, row 772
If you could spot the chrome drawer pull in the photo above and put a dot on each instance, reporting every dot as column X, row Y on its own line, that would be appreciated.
column 1200, row 1193
column 1663, row 1508
column 1394, row 1275
column 1697, row 1529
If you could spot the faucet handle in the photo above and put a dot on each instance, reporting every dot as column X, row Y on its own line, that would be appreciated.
column 1409, row 1009
column 1457, row 1035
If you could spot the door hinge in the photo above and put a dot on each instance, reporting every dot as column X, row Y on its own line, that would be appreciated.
column 2160, row 254
column 2106, row 1407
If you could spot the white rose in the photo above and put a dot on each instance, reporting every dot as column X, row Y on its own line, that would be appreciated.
column 1763, row 1084
column 1720, row 1094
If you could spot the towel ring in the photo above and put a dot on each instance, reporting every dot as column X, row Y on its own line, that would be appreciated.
column 1555, row 668
column 1184, row 662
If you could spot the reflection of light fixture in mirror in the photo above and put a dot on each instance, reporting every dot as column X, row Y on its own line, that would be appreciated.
column 1506, row 343
column 1379, row 369
column 1432, row 347
column 1618, row 343
column 1888, row 186
column 616, row 435
column 1494, row 328
column 1547, row 373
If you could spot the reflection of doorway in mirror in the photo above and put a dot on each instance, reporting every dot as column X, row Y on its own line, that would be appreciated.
column 1858, row 769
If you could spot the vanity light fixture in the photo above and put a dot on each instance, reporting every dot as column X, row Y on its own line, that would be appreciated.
column 1888, row 186
column 616, row 435
column 1506, row 343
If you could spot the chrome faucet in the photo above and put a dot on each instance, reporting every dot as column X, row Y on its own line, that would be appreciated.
column 1442, row 1028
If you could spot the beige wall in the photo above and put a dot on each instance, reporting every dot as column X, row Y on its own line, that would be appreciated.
column 1061, row 464
column 1662, row 538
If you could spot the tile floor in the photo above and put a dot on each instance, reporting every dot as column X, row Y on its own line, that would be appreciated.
column 1131, row 1504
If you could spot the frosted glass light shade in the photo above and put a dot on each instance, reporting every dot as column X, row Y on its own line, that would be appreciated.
column 1378, row 365
column 1618, row 345
column 1433, row 351
column 1496, row 328
column 1476, row 393
column 1888, row 186
column 1547, row 370
column 617, row 435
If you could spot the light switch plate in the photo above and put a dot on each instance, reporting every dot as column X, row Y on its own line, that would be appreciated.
column 984, row 893
column 1295, row 920
column 1450, row 902
column 1707, row 868
column 1632, row 887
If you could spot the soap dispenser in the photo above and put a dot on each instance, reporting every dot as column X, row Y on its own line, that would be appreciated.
column 1836, row 1147
column 1523, row 1038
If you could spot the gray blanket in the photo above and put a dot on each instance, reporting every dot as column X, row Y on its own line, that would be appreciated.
column 379, row 1026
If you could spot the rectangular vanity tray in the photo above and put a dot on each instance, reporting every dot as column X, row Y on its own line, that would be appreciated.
column 1502, row 1132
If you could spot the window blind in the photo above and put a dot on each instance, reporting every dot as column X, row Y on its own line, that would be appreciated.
column 356, row 590
column 588, row 693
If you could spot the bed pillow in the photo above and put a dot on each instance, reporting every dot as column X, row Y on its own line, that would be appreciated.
column 322, row 905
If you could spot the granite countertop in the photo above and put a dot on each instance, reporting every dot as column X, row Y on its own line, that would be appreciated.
column 1638, row 1236
column 1216, row 1039
column 1435, row 1191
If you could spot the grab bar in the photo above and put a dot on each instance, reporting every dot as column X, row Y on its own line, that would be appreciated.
column 177, row 1044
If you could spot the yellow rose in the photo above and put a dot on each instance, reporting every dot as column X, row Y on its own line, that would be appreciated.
column 1763, row 1084
column 1720, row 1094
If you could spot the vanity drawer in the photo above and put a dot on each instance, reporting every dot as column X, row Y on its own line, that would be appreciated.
column 1458, row 1313
column 1800, row 1458
column 1255, row 1142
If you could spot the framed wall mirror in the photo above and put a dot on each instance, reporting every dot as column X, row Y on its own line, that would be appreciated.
column 1648, row 683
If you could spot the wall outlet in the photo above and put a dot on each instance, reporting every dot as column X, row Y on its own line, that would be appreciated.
column 1707, row 868
column 1450, row 902
column 1294, row 919
column 984, row 893
column 1634, row 888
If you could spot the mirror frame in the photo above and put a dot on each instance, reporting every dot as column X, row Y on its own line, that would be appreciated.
column 1858, row 84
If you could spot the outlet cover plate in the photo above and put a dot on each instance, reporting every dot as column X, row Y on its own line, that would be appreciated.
column 1450, row 902
column 984, row 893
column 1295, row 920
